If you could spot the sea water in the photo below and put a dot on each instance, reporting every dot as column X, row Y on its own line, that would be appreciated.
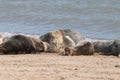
column 92, row 18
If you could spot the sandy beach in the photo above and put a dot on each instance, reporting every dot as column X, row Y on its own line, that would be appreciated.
column 50, row 66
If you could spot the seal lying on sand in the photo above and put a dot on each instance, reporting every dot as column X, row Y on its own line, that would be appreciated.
column 59, row 39
column 23, row 44
column 82, row 48
column 102, row 46
column 115, row 47
column 107, row 47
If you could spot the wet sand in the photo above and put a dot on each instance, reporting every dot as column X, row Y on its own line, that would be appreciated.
column 48, row 66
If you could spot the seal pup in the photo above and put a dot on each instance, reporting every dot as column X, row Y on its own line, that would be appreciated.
column 82, row 48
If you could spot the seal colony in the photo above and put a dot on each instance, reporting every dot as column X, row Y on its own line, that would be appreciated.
column 59, row 39
column 64, row 42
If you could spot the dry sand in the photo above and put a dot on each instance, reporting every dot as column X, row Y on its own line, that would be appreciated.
column 55, row 67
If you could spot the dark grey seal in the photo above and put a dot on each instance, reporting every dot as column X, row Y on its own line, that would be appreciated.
column 102, row 46
column 115, row 47
column 21, row 44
